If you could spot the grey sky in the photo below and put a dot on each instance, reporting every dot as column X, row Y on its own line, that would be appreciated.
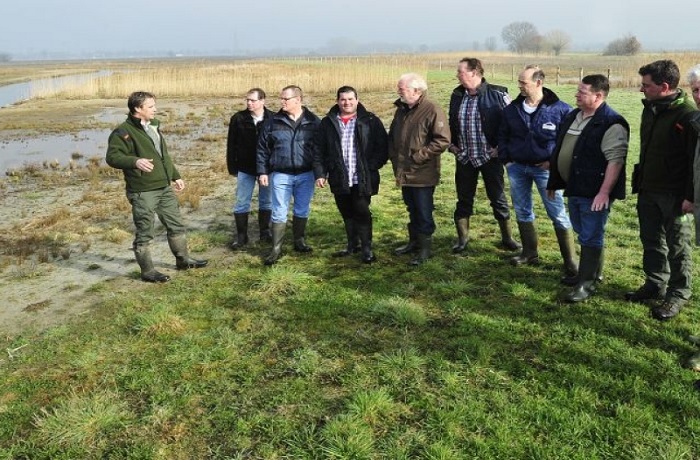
column 79, row 26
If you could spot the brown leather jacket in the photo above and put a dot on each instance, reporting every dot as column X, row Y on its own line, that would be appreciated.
column 417, row 137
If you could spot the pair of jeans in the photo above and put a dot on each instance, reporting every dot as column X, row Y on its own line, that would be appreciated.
column 146, row 205
column 521, row 177
column 284, row 187
column 666, row 235
column 589, row 225
column 419, row 202
column 245, row 184
column 466, row 178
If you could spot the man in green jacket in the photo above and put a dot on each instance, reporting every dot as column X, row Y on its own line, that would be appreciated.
column 664, row 180
column 139, row 150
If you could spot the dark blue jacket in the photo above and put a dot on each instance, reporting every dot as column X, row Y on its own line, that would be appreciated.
column 588, row 164
column 372, row 153
column 288, row 147
column 490, row 103
column 530, row 139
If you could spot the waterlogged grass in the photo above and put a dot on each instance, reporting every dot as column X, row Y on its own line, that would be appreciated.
column 322, row 357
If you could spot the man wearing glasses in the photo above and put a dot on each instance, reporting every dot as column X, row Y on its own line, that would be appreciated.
column 285, row 154
column 241, row 160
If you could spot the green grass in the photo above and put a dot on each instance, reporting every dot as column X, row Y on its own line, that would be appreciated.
column 320, row 357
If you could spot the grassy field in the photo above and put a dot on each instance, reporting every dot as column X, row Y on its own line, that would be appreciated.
column 326, row 358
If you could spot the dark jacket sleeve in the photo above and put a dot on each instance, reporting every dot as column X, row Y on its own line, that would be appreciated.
column 380, row 148
column 263, row 150
column 232, row 148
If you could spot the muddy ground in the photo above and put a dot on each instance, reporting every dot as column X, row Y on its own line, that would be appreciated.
column 66, row 234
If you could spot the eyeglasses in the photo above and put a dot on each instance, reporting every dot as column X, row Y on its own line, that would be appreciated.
column 252, row 100
column 287, row 98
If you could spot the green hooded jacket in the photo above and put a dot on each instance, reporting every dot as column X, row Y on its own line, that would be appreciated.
column 128, row 143
column 667, row 146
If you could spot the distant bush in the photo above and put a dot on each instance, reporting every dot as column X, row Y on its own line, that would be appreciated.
column 625, row 46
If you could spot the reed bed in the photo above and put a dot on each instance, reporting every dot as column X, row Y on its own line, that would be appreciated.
column 216, row 78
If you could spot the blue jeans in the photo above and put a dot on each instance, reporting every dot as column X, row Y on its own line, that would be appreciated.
column 284, row 187
column 419, row 202
column 521, row 178
column 589, row 225
column 245, row 183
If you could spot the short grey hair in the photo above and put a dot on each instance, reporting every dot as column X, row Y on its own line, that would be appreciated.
column 415, row 81
column 694, row 74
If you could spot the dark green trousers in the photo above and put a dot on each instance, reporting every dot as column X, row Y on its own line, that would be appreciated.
column 665, row 233
column 145, row 206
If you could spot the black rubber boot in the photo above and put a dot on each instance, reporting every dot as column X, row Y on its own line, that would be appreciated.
column 241, row 230
column 587, row 270
column 299, row 232
column 353, row 244
column 264, row 216
column 365, row 233
column 277, row 230
column 411, row 246
column 425, row 243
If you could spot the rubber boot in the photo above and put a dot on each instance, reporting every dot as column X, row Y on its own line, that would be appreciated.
column 299, row 233
column 353, row 239
column 528, row 236
column 507, row 240
column 573, row 280
column 411, row 246
column 425, row 243
column 277, row 231
column 365, row 233
column 462, row 226
column 241, row 230
column 588, row 267
column 148, row 273
column 183, row 261
column 264, row 216
column 565, row 238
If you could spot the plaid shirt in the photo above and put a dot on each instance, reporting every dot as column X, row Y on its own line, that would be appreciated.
column 347, row 141
column 472, row 142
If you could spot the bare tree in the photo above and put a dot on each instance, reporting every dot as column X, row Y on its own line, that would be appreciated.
column 521, row 37
column 491, row 44
column 558, row 41
column 625, row 46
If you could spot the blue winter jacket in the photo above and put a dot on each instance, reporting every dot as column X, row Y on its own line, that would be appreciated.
column 285, row 146
column 534, row 143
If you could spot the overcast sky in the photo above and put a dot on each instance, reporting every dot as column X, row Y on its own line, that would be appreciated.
column 80, row 26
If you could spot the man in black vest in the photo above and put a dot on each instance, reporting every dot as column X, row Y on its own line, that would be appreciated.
column 589, row 164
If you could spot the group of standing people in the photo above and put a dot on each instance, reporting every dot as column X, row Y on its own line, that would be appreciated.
column 537, row 139
column 578, row 153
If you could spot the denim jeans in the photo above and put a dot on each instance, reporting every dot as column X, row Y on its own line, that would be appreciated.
column 589, row 225
column 284, row 187
column 521, row 178
column 245, row 183
column 419, row 202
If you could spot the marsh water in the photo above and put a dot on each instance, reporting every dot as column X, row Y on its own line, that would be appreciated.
column 18, row 92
